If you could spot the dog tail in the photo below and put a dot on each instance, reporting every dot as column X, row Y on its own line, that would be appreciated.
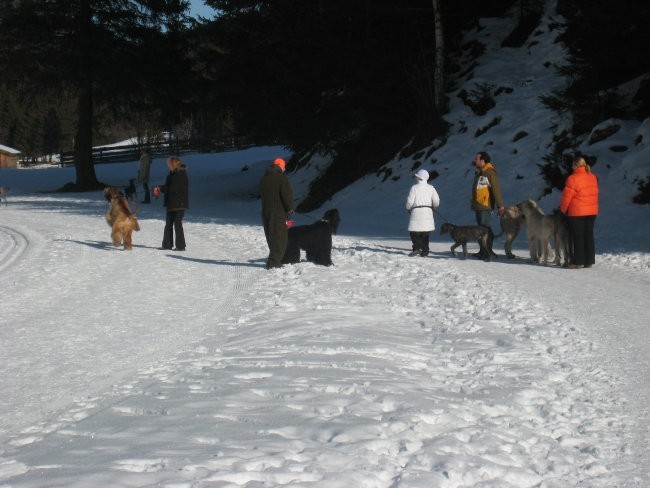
column 136, row 225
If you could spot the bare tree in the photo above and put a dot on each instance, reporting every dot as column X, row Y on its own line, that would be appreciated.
column 439, row 64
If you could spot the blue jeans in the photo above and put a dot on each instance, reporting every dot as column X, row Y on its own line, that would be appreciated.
column 484, row 217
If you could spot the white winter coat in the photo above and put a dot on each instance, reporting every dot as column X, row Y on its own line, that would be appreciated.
column 422, row 199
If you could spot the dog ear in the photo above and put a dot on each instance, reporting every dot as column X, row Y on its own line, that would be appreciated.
column 336, row 220
column 333, row 217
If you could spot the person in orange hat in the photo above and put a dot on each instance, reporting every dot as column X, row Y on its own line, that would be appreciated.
column 277, row 202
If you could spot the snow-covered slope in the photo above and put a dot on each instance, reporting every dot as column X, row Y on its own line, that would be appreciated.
column 519, row 76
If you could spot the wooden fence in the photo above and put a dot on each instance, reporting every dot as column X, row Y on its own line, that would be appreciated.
column 131, row 152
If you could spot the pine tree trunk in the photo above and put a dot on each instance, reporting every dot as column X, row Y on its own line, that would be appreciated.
column 439, row 68
column 83, row 143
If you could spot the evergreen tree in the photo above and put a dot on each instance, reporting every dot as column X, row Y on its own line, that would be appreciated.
column 51, row 142
column 94, row 49
column 605, row 41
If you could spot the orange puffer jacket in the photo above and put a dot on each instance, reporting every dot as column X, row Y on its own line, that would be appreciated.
column 580, row 194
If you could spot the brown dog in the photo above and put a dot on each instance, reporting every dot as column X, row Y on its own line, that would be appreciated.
column 120, row 218
column 3, row 194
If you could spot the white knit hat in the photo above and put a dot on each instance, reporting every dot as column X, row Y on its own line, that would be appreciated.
column 422, row 174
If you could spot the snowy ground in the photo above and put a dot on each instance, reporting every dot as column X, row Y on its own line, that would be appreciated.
column 201, row 369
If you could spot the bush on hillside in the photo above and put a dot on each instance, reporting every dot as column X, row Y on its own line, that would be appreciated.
column 480, row 99
column 643, row 197
column 555, row 171
column 528, row 21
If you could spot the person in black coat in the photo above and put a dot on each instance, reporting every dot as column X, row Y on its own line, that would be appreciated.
column 277, row 203
column 176, row 190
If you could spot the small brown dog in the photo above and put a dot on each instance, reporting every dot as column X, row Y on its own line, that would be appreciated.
column 120, row 218
column 3, row 194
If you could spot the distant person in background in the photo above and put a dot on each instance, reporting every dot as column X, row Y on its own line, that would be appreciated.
column 143, row 174
column 486, row 194
column 176, row 190
column 580, row 204
column 422, row 200
column 277, row 204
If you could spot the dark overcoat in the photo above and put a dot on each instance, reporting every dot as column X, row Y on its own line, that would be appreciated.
column 277, row 201
column 176, row 190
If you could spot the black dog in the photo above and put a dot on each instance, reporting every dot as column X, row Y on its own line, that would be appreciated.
column 463, row 234
column 130, row 192
column 315, row 239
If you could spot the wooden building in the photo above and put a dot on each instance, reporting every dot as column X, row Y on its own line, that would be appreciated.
column 9, row 157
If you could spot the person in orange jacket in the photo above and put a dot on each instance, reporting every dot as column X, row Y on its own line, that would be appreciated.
column 580, row 204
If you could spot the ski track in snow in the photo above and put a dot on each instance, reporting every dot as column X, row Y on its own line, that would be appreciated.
column 498, row 385
column 13, row 244
column 75, row 362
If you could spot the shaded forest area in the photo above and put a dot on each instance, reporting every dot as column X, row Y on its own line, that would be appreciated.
column 347, row 77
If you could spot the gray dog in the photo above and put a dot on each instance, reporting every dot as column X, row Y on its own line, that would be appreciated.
column 561, row 238
column 464, row 234
column 539, row 228
column 511, row 222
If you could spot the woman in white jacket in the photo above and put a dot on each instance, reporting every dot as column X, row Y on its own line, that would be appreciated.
column 421, row 202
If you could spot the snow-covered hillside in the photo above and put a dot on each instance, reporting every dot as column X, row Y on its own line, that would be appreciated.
column 519, row 76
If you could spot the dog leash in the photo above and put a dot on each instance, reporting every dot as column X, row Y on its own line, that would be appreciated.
column 439, row 214
column 433, row 209
column 307, row 215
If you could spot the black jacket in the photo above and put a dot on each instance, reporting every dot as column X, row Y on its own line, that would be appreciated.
column 176, row 190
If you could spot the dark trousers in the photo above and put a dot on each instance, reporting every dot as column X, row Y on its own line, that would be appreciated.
column 420, row 241
column 174, row 224
column 484, row 217
column 582, row 237
column 277, row 235
column 147, row 195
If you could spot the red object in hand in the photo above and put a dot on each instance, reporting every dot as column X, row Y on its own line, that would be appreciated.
column 288, row 223
column 156, row 192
